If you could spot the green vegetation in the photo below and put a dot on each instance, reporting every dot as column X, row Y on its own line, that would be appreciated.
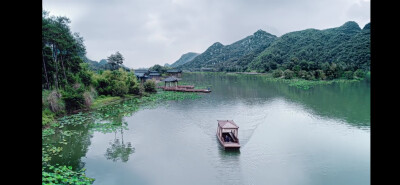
column 310, row 54
column 64, row 175
column 149, row 86
column 160, row 69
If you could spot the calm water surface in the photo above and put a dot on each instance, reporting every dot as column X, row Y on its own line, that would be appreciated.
column 288, row 136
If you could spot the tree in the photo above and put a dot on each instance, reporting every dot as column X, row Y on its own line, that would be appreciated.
column 273, row 65
column 62, row 52
column 348, row 75
column 289, row 74
column 159, row 68
column 150, row 86
column 115, row 60
column 277, row 73
column 360, row 73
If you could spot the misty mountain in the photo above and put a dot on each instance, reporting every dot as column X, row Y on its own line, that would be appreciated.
column 185, row 58
column 218, row 55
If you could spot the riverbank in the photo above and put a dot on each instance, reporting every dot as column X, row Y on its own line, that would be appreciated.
column 293, row 82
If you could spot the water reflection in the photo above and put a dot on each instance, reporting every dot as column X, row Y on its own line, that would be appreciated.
column 344, row 101
column 119, row 150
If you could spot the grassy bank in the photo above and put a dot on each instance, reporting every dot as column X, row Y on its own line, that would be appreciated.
column 293, row 82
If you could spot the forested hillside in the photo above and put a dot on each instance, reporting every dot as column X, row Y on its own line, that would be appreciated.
column 309, row 53
column 219, row 57
column 185, row 58
column 347, row 45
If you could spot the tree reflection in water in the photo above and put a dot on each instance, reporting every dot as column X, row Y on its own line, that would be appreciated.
column 119, row 150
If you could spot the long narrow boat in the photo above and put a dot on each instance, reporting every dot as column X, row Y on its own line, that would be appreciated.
column 227, row 134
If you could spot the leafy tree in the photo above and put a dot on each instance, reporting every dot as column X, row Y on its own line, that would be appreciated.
column 273, row 65
column 115, row 60
column 159, row 68
column 149, row 86
column 289, row 74
column 348, row 75
column 277, row 73
column 360, row 73
column 116, row 83
column 62, row 52
column 304, row 65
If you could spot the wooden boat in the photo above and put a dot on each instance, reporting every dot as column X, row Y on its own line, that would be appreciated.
column 227, row 134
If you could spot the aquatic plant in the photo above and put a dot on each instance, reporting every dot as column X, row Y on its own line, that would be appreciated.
column 64, row 175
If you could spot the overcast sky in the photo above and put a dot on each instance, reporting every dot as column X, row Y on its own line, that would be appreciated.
column 149, row 32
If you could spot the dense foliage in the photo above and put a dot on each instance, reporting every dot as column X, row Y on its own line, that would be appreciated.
column 62, row 52
column 347, row 46
column 116, row 83
column 160, row 69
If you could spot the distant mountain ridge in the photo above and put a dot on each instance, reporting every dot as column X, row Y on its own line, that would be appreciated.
column 217, row 55
column 185, row 58
column 102, row 65
column 348, row 45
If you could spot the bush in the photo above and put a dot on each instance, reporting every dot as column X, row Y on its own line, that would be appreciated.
column 116, row 83
column 149, row 86
column 348, row 75
column 368, row 76
column 309, row 76
column 360, row 73
column 319, row 74
column 277, row 73
column 289, row 74
column 119, row 88
column 47, row 117
column 73, row 99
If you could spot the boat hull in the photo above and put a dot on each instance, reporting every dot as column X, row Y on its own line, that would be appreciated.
column 228, row 145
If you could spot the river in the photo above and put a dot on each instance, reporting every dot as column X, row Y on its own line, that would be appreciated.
column 288, row 136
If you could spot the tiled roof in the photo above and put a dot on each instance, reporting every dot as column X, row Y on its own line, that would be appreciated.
column 174, row 71
column 171, row 79
column 140, row 74
column 154, row 74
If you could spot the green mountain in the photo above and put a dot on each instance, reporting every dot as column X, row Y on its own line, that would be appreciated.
column 347, row 47
column 219, row 57
column 347, row 44
column 185, row 58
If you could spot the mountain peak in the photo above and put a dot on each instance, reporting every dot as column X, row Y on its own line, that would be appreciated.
column 367, row 26
column 217, row 45
column 350, row 26
column 185, row 58
column 260, row 31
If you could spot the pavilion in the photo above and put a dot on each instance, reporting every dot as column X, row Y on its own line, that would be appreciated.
column 171, row 79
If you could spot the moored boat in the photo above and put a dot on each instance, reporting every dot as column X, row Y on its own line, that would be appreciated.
column 227, row 134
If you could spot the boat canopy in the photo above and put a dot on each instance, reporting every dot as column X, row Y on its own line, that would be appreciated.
column 227, row 124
